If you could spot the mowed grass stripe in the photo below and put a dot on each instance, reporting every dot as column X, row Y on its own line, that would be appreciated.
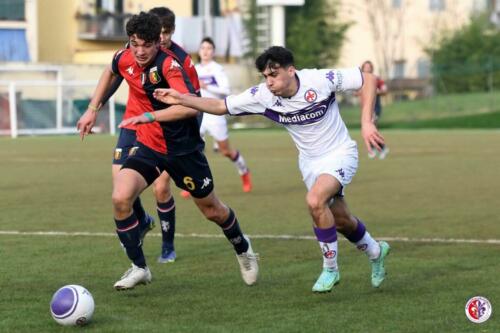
column 277, row 237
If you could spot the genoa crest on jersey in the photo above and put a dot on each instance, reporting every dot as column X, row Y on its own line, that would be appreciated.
column 154, row 77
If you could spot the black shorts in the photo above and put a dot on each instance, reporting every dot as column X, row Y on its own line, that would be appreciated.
column 126, row 140
column 190, row 172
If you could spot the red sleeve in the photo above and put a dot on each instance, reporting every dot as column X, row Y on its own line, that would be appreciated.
column 173, row 75
column 191, row 72
column 115, row 68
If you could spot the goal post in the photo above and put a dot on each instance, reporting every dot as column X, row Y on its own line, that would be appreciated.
column 53, row 107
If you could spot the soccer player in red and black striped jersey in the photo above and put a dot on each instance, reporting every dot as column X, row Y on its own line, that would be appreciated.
column 175, row 147
column 161, row 187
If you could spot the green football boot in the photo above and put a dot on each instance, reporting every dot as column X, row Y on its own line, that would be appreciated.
column 328, row 278
column 378, row 269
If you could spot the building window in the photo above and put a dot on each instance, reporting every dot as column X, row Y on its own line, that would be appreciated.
column 399, row 69
column 109, row 6
column 202, row 8
column 13, row 45
column 437, row 5
column 396, row 3
column 423, row 68
column 12, row 10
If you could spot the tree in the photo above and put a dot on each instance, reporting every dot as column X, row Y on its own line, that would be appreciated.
column 387, row 28
column 313, row 33
column 469, row 59
column 250, row 21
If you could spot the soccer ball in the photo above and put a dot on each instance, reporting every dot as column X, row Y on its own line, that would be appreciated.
column 72, row 305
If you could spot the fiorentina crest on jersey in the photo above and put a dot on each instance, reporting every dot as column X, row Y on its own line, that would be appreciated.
column 310, row 95
column 154, row 77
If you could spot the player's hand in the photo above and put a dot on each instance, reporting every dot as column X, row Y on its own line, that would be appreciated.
column 137, row 120
column 167, row 96
column 86, row 123
column 203, row 85
column 372, row 137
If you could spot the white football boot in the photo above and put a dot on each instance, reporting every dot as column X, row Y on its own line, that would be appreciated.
column 132, row 277
column 249, row 267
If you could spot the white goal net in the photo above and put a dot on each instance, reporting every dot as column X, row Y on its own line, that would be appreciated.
column 49, row 107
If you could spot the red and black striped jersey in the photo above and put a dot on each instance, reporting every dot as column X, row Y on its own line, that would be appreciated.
column 173, row 138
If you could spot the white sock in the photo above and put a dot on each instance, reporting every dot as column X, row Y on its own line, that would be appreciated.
column 240, row 164
column 369, row 245
column 329, row 251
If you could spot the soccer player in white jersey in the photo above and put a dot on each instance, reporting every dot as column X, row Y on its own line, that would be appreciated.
column 214, row 83
column 304, row 101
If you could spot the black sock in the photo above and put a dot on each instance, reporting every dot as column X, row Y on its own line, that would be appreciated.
column 139, row 211
column 166, row 212
column 128, row 233
column 231, row 229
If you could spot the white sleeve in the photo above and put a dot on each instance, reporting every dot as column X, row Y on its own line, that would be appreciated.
column 245, row 103
column 343, row 79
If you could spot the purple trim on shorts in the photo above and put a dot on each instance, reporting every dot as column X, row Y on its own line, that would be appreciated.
column 326, row 235
column 358, row 234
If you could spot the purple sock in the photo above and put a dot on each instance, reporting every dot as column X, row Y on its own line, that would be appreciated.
column 357, row 234
column 326, row 235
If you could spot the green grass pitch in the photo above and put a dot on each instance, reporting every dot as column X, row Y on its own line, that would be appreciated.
column 434, row 184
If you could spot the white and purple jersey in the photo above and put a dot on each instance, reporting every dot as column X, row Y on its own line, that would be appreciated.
column 217, row 86
column 312, row 115
column 213, row 75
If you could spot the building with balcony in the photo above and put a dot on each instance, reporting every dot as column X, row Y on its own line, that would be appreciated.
column 89, row 31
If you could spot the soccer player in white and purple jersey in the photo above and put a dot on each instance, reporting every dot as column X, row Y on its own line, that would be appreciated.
column 304, row 101
column 214, row 83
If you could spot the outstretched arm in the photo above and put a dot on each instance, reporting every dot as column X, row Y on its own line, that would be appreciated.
column 88, row 119
column 369, row 131
column 172, row 113
column 173, row 97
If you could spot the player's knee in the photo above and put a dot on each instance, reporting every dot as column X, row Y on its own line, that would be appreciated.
column 161, row 191
column 314, row 203
column 121, row 201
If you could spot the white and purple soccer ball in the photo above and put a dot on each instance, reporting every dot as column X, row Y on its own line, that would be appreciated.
column 72, row 305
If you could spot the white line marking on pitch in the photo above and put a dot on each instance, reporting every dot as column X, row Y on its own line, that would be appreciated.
column 284, row 237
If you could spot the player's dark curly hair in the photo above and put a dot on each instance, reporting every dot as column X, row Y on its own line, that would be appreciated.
column 167, row 17
column 146, row 26
column 274, row 57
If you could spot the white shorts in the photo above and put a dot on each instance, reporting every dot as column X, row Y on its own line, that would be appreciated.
column 341, row 164
column 215, row 126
